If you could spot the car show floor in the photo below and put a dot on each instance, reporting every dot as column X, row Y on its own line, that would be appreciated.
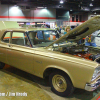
column 16, row 84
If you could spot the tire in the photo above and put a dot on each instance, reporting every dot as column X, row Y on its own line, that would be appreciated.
column 60, row 84
column 2, row 65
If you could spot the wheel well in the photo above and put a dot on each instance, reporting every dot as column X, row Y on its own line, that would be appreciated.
column 48, row 71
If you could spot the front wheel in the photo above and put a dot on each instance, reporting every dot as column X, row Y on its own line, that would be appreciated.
column 2, row 65
column 60, row 84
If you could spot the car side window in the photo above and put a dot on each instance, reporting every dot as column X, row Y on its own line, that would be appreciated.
column 20, row 38
column 39, row 35
column 6, row 37
column 49, row 35
column 36, row 37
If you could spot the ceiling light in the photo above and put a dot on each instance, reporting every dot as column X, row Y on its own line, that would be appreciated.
column 60, row 6
column 40, row 7
column 91, row 4
column 15, row 5
column 61, row 1
column 71, row 10
column 92, row 0
column 95, row 13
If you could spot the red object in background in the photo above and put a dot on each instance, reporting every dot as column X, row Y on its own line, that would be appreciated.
column 86, row 56
column 98, row 98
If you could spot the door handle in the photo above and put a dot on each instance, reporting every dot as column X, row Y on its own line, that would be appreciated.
column 9, row 45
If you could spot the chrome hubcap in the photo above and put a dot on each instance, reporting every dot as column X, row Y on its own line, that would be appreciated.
column 59, row 83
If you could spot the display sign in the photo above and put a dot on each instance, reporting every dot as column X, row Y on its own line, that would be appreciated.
column 52, row 25
column 47, row 23
column 28, row 23
column 32, row 23
column 40, row 23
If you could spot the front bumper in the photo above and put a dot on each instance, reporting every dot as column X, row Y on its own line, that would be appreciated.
column 92, row 86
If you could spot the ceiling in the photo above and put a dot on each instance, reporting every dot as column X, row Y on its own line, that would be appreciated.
column 72, row 5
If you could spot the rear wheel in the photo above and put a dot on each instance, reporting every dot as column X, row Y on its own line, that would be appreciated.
column 60, row 84
column 2, row 65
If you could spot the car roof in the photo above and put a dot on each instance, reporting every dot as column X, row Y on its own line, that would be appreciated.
column 22, row 29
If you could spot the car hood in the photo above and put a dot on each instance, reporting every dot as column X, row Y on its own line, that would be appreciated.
column 81, row 31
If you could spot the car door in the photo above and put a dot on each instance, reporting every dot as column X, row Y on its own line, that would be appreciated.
column 19, row 53
column 97, row 39
column 4, row 46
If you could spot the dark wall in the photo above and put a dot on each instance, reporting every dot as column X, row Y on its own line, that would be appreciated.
column 62, row 14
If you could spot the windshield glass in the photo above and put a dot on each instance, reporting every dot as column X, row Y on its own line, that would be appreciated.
column 42, row 38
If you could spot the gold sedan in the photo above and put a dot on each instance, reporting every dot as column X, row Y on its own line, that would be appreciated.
column 67, row 64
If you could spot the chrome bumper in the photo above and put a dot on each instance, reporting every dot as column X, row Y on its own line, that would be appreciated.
column 92, row 86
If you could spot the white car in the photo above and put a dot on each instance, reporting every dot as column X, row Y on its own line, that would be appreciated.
column 97, row 39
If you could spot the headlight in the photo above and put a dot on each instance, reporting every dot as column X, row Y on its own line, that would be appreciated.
column 96, row 73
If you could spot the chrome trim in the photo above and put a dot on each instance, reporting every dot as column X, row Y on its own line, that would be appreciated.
column 92, row 86
column 96, row 77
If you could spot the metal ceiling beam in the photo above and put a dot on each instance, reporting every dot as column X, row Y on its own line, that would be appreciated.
column 68, row 4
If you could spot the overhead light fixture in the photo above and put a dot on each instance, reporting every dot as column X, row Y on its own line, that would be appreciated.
column 71, row 10
column 61, row 1
column 60, row 6
column 40, row 7
column 86, row 9
column 91, row 4
column 95, row 13
column 92, row 0
column 15, row 5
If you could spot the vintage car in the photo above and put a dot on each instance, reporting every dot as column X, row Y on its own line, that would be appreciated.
column 65, row 63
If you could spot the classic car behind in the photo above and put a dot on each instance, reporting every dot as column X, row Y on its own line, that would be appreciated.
column 66, row 64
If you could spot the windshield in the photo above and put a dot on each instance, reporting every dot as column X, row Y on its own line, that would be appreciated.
column 42, row 38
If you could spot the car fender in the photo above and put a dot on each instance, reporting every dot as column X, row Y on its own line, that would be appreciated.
column 59, row 68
